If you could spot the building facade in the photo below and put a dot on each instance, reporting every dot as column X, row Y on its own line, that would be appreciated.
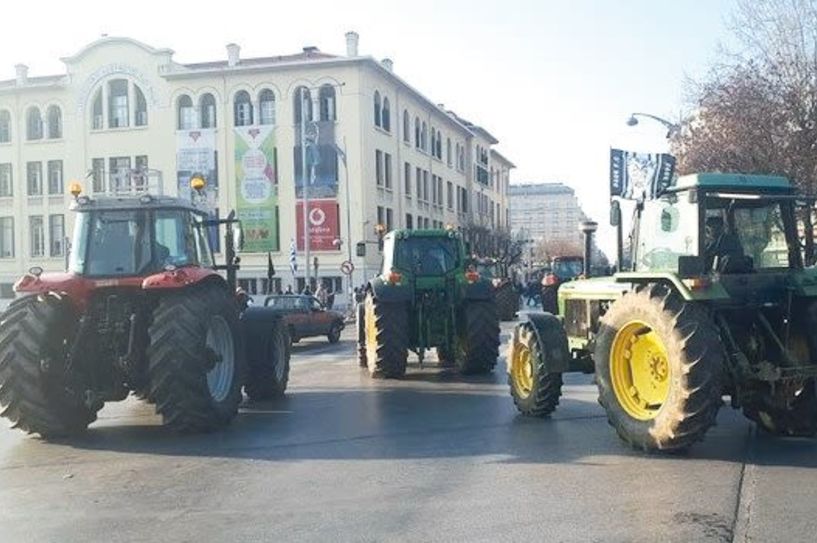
column 546, row 212
column 378, row 153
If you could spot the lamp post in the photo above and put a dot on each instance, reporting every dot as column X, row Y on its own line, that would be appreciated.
column 304, row 189
column 588, row 228
column 672, row 128
column 342, row 154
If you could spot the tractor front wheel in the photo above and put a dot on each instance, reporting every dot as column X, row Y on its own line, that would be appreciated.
column 479, row 341
column 196, row 359
column 35, row 333
column 659, row 362
column 386, row 337
column 534, row 389
column 268, row 363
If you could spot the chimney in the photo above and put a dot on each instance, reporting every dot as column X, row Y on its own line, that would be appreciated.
column 233, row 54
column 22, row 74
column 352, row 39
column 388, row 64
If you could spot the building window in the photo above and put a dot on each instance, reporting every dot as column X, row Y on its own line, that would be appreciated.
column 141, row 107
column 6, row 180
column 119, row 173
column 386, row 115
column 438, row 150
column 300, row 99
column 54, row 116
column 34, row 178
column 97, row 119
column 56, row 233
column 409, row 221
column 387, row 170
column 243, row 109
column 207, row 110
column 185, row 113
column 407, row 179
column 34, row 124
column 5, row 126
column 406, row 126
column 450, row 194
column 417, row 140
column 377, row 109
column 425, row 186
column 424, row 137
column 6, row 237
column 118, row 109
column 139, row 175
column 380, row 215
column 36, row 230
column 98, row 175
column 448, row 159
column 327, row 101
column 55, row 185
column 389, row 219
column 433, row 141
column 418, row 180
column 266, row 107
column 378, row 167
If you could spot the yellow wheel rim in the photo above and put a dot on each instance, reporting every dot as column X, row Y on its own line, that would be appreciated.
column 639, row 370
column 522, row 369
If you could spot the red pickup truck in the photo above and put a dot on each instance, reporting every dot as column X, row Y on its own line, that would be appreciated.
column 306, row 316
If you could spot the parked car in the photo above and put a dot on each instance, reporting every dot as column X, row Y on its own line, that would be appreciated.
column 306, row 316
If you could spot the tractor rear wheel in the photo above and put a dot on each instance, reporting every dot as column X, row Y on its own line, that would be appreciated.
column 478, row 344
column 507, row 301
column 268, row 365
column 659, row 362
column 35, row 333
column 360, row 325
column 196, row 359
column 535, row 390
column 386, row 337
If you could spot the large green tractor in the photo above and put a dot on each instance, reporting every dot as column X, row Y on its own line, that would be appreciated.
column 427, row 295
column 717, row 302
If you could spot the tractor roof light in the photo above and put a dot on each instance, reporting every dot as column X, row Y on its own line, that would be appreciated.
column 75, row 188
column 197, row 182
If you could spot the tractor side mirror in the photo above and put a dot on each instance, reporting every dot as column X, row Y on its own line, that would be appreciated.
column 691, row 266
column 360, row 248
column 615, row 213
column 238, row 237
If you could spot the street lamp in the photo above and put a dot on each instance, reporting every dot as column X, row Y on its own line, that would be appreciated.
column 342, row 154
column 672, row 128
column 588, row 228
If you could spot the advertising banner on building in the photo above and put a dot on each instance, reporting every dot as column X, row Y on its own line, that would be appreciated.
column 324, row 225
column 257, row 187
column 196, row 155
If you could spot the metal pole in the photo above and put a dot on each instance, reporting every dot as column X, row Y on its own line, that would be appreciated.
column 348, row 223
column 304, row 189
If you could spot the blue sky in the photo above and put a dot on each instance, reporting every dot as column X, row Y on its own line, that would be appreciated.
column 553, row 80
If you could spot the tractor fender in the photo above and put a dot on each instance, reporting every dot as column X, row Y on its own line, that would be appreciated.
column 180, row 278
column 480, row 290
column 552, row 340
column 388, row 292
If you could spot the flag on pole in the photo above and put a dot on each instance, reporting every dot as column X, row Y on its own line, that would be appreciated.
column 640, row 175
column 293, row 261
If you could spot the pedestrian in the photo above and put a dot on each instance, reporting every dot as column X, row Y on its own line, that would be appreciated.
column 330, row 298
column 288, row 290
column 306, row 291
column 320, row 294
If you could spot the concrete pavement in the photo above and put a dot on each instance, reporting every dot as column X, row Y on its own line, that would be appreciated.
column 434, row 457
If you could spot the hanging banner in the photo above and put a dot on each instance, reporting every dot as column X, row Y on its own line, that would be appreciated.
column 196, row 155
column 256, row 172
column 324, row 225
column 640, row 175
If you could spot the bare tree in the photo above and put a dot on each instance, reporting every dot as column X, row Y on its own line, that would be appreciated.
column 756, row 111
column 497, row 244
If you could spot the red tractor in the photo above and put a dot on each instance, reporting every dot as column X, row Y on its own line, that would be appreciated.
column 143, row 309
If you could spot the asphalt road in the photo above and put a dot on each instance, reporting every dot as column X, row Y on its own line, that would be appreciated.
column 434, row 457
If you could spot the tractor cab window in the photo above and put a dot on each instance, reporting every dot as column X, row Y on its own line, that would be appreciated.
column 177, row 240
column 749, row 230
column 112, row 243
column 668, row 229
column 426, row 256
column 567, row 268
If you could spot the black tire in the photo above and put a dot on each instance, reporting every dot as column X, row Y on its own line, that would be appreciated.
column 360, row 327
column 694, row 363
column 267, row 361
column 798, row 419
column 34, row 336
column 179, row 359
column 550, row 299
column 507, row 301
column 334, row 333
column 478, row 344
column 446, row 357
column 387, row 351
column 536, row 394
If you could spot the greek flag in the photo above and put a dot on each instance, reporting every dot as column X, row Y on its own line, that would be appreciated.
column 636, row 176
column 293, row 262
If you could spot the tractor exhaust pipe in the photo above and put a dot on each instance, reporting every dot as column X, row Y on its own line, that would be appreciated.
column 588, row 228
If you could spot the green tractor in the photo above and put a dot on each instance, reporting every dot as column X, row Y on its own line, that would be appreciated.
column 717, row 302
column 505, row 294
column 427, row 295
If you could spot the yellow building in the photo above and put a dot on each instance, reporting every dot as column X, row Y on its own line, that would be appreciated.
column 124, row 112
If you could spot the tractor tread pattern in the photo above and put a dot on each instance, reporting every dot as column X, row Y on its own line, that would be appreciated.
column 390, row 356
column 481, row 338
column 507, row 301
column 177, row 359
column 262, row 381
column 547, row 387
column 695, row 351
